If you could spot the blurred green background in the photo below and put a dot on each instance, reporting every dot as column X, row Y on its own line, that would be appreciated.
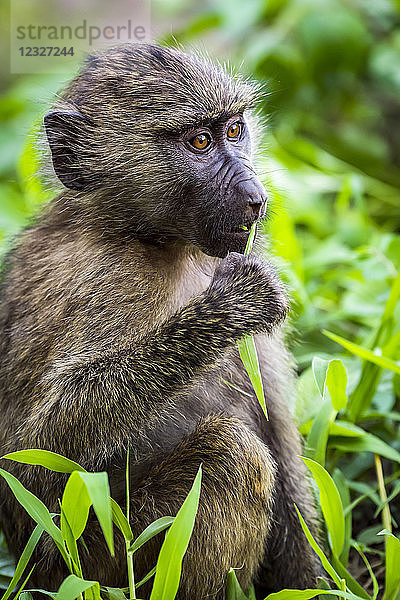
column 330, row 158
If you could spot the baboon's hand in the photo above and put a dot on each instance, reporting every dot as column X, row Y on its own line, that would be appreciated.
column 251, row 291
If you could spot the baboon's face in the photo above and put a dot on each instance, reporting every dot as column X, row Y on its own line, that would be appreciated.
column 160, row 141
column 220, row 195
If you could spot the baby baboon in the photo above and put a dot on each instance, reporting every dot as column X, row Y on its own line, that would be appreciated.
column 121, row 309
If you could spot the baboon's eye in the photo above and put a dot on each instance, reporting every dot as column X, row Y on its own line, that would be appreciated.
column 234, row 130
column 201, row 141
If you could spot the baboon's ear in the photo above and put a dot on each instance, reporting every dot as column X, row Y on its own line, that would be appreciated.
column 66, row 130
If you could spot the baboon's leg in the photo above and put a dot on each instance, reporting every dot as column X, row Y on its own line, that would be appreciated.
column 289, row 562
column 232, row 519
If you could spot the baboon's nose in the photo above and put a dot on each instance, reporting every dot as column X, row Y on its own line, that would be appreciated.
column 254, row 197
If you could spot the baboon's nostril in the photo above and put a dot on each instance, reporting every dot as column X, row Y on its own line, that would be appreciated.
column 254, row 208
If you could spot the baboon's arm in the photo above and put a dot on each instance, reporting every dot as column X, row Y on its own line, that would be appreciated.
column 128, row 386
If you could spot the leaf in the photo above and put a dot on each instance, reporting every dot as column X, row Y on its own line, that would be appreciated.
column 331, row 504
column 72, row 546
column 75, row 505
column 169, row 564
column 248, row 355
column 394, row 493
column 121, row 521
column 252, row 593
column 113, row 593
column 247, row 347
column 45, row 458
column 343, row 489
column 336, row 382
column 351, row 583
column 24, row 583
column 319, row 369
column 146, row 577
column 314, row 545
column 365, row 443
column 34, row 507
column 99, row 492
column 250, row 239
column 308, row 594
column 152, row 530
column 345, row 429
column 317, row 439
column 24, row 560
column 41, row 591
column 233, row 589
column 392, row 562
column 73, row 586
column 370, row 571
column 381, row 361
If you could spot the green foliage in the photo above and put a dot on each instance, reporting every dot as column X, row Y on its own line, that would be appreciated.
column 81, row 491
column 331, row 505
column 169, row 563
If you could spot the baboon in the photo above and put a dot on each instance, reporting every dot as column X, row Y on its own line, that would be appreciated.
column 121, row 309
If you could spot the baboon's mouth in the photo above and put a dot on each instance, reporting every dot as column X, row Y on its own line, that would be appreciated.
column 242, row 228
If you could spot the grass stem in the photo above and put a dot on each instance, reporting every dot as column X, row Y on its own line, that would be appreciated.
column 386, row 516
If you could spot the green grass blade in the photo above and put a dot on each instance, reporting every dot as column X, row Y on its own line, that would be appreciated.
column 45, row 458
column 21, row 589
column 233, row 589
column 331, row 504
column 392, row 562
column 317, row 438
column 308, row 594
column 74, row 586
column 71, row 544
column 99, row 492
column 252, row 593
column 41, row 591
column 319, row 369
column 34, row 507
column 121, row 521
column 75, row 505
column 247, row 347
column 370, row 571
column 24, row 560
column 152, row 530
column 362, row 395
column 314, row 545
column 366, row 443
column 248, row 355
column 147, row 577
column 113, row 593
column 336, row 382
column 169, row 564
column 344, row 492
column 250, row 239
column 351, row 583
column 381, row 361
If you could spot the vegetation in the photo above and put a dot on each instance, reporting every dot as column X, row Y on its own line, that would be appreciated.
column 330, row 158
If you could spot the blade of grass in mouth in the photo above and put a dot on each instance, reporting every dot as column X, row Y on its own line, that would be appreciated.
column 247, row 346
